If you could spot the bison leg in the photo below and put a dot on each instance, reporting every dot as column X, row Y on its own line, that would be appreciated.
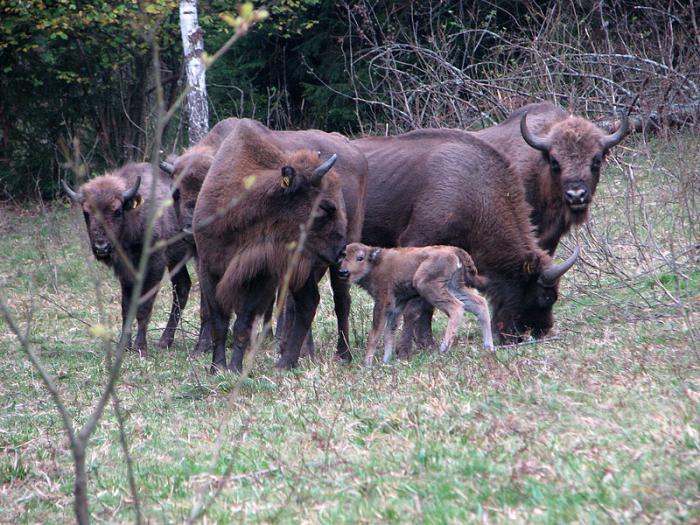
column 305, row 304
column 378, row 321
column 392, row 323
column 417, row 321
column 204, row 343
column 476, row 304
column 218, row 321
column 143, row 313
column 181, row 289
column 341, row 300
column 242, row 328
column 127, row 290
column 285, row 321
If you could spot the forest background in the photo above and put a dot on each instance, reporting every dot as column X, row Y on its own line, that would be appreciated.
column 83, row 69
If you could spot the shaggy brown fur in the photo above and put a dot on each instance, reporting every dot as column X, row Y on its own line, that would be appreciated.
column 248, row 214
column 427, row 187
column 116, row 227
column 444, row 276
column 561, row 181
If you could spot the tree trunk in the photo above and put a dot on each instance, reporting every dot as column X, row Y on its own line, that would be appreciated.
column 193, row 46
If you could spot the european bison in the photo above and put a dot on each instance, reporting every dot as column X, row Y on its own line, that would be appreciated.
column 248, row 215
column 115, row 207
column 443, row 276
column 427, row 187
column 558, row 157
column 188, row 172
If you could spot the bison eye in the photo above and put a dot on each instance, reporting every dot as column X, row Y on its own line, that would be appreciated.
column 327, row 207
column 595, row 164
column 118, row 212
column 554, row 164
column 360, row 258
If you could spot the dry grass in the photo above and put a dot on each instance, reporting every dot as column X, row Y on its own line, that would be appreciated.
column 598, row 424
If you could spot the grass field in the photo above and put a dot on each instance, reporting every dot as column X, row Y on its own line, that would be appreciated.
column 600, row 423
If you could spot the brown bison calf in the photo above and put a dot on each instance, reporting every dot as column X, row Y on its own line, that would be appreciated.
column 444, row 276
column 115, row 207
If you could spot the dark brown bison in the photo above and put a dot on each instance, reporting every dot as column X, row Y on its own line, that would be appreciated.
column 427, row 187
column 444, row 276
column 115, row 207
column 558, row 157
column 188, row 172
column 253, row 202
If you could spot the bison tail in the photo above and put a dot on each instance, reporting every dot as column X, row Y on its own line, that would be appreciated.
column 469, row 272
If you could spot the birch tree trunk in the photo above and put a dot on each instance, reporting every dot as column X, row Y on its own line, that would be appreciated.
column 193, row 46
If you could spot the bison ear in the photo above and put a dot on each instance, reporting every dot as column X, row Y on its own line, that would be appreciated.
column 531, row 266
column 133, row 202
column 287, row 180
column 374, row 254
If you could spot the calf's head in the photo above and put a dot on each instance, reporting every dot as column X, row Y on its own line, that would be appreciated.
column 105, row 202
column 357, row 261
column 524, row 304
column 575, row 149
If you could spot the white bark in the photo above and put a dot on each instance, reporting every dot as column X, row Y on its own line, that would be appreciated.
column 193, row 46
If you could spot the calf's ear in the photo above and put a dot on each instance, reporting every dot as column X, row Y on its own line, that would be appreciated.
column 374, row 255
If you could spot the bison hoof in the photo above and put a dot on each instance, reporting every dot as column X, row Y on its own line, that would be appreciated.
column 217, row 368
column 343, row 355
column 203, row 346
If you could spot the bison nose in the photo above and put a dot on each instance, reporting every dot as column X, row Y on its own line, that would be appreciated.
column 576, row 195
column 344, row 273
column 101, row 246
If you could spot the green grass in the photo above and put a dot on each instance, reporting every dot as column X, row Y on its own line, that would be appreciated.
column 598, row 424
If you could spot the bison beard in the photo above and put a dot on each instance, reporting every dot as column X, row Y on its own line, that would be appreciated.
column 247, row 215
column 115, row 207
column 434, row 187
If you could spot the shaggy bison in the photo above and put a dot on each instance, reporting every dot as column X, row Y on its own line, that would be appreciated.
column 188, row 172
column 443, row 276
column 558, row 157
column 428, row 187
column 115, row 207
column 252, row 204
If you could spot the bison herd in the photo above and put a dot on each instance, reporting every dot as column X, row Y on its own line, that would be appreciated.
column 430, row 218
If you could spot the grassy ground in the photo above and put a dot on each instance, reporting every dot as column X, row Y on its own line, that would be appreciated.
column 598, row 424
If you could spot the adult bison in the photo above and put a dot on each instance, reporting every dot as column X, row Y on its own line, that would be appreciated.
column 188, row 172
column 115, row 207
column 257, row 194
column 558, row 157
column 433, row 187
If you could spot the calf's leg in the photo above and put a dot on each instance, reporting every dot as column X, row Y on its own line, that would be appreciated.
column 378, row 320
column 476, row 304
column 392, row 322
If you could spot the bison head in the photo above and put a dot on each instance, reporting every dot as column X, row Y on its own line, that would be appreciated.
column 188, row 172
column 105, row 200
column 574, row 149
column 305, row 186
column 524, row 305
column 357, row 261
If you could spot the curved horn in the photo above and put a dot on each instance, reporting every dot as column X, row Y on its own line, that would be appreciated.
column 128, row 194
column 614, row 138
column 74, row 196
column 167, row 167
column 534, row 141
column 319, row 172
column 550, row 274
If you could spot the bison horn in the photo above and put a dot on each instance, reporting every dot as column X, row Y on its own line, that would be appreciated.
column 550, row 274
column 167, row 167
column 533, row 140
column 74, row 196
column 319, row 172
column 614, row 138
column 128, row 194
